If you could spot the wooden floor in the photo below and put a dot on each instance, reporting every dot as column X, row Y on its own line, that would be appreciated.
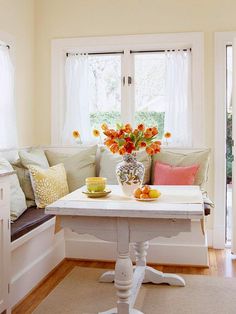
column 222, row 263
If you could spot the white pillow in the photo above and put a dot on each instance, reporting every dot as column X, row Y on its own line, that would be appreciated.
column 33, row 157
column 17, row 197
column 109, row 161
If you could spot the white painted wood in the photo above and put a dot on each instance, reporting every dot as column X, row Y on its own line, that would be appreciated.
column 115, row 311
column 33, row 257
column 123, row 268
column 233, row 241
column 193, row 40
column 4, row 241
column 170, row 253
column 157, row 277
column 222, row 39
column 117, row 205
column 129, row 221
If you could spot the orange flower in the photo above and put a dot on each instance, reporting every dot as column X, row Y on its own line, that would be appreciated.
column 122, row 151
column 104, row 127
column 96, row 133
column 141, row 127
column 150, row 150
column 76, row 134
column 120, row 134
column 114, row 148
column 148, row 134
column 109, row 142
column 154, row 131
column 136, row 132
column 142, row 144
column 167, row 135
column 157, row 142
column 107, row 133
column 128, row 128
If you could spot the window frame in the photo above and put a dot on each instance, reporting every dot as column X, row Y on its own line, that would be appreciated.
column 193, row 40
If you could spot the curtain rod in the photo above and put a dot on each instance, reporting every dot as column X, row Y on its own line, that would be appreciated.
column 7, row 46
column 94, row 53
column 161, row 50
column 121, row 52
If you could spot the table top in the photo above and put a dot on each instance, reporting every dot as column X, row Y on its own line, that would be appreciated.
column 175, row 202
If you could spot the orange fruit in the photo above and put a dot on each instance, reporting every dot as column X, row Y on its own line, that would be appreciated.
column 145, row 189
column 144, row 195
column 137, row 193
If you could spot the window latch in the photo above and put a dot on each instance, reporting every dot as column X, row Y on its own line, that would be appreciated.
column 123, row 80
column 129, row 80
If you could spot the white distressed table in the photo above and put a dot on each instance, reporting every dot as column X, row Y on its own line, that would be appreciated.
column 126, row 221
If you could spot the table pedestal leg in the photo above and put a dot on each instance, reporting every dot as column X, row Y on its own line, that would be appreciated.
column 151, row 275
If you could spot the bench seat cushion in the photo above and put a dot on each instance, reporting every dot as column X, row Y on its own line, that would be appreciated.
column 29, row 220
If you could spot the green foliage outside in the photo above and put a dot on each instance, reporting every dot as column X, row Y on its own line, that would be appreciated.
column 229, row 155
column 149, row 119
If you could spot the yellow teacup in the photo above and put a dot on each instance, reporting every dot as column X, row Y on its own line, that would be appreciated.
column 96, row 184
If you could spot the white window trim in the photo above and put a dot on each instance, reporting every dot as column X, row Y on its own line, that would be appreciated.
column 222, row 39
column 194, row 40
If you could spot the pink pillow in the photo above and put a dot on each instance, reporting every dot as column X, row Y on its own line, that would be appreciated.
column 165, row 174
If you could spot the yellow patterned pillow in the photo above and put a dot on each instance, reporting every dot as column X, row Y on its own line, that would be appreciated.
column 48, row 184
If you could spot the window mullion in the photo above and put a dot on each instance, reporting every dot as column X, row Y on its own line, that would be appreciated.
column 127, row 100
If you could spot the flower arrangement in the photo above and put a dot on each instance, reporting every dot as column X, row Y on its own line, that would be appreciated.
column 126, row 140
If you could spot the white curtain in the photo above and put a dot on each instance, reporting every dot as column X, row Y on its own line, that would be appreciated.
column 178, row 92
column 8, row 127
column 77, row 105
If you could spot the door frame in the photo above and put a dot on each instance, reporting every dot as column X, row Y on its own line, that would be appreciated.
column 222, row 39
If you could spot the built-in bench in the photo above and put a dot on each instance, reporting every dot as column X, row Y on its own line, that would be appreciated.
column 29, row 220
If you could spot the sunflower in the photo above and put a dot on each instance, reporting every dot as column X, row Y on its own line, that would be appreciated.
column 76, row 134
column 96, row 133
column 167, row 135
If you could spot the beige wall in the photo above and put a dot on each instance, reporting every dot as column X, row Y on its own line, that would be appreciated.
column 74, row 18
column 17, row 23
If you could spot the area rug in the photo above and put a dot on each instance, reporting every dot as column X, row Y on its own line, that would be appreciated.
column 81, row 293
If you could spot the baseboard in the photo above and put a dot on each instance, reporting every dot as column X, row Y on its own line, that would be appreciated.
column 24, row 281
column 171, row 254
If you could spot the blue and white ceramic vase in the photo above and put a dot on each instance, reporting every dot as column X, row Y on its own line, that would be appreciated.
column 130, row 173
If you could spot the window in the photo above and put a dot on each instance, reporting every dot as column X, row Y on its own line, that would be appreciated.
column 150, row 89
column 8, row 132
column 104, row 86
column 153, row 79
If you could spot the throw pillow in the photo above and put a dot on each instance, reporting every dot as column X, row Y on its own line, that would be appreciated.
column 184, row 159
column 17, row 197
column 109, row 161
column 78, row 166
column 170, row 175
column 25, row 182
column 35, row 157
column 48, row 184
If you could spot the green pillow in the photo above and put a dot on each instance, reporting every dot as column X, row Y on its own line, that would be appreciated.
column 78, row 166
column 186, row 158
column 33, row 157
